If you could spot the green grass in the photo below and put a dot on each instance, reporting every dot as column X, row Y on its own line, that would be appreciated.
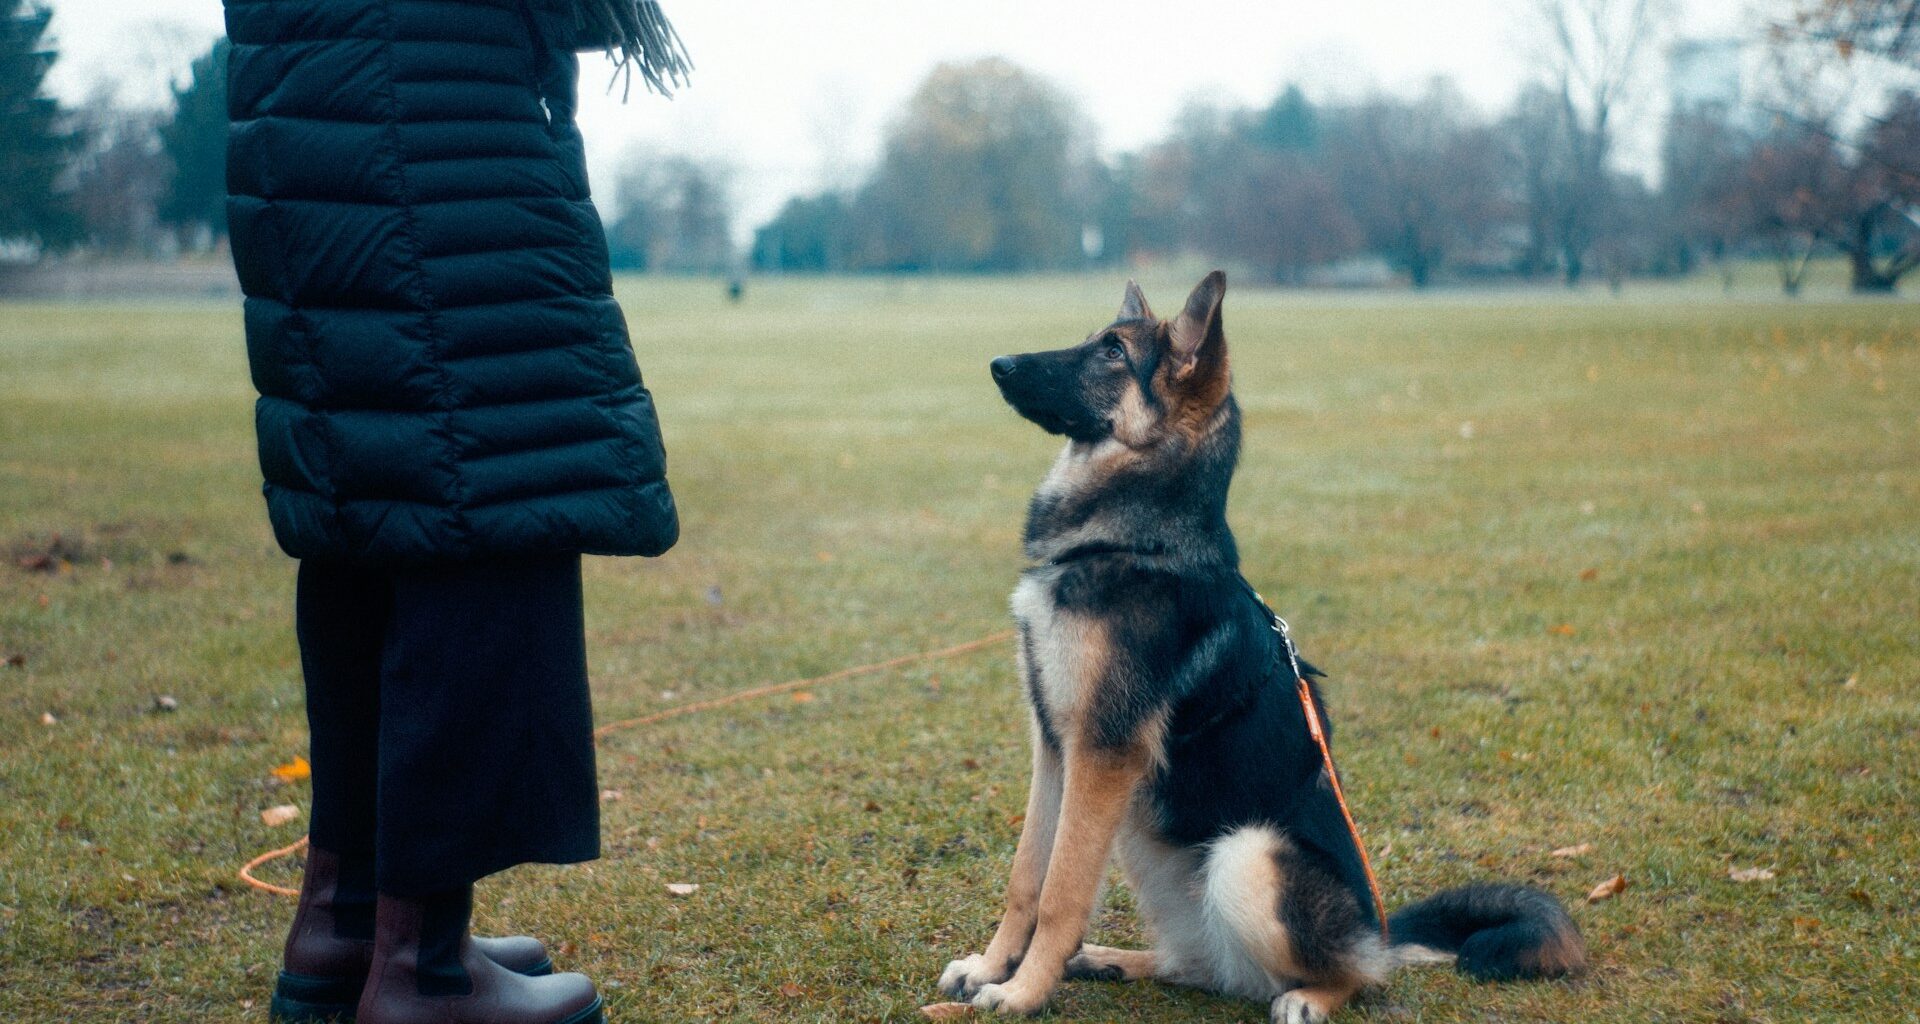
column 1719, row 502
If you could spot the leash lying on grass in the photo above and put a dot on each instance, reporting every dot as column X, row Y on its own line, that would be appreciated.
column 692, row 707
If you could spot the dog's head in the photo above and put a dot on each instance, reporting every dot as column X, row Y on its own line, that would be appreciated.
column 1140, row 380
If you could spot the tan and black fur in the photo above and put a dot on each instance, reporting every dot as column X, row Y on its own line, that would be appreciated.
column 1166, row 727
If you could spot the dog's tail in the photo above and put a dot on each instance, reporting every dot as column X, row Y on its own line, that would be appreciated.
column 1493, row 931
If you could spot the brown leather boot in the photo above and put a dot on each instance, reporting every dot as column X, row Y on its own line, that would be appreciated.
column 330, row 949
column 427, row 970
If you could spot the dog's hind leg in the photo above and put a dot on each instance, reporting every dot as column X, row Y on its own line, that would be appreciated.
column 1105, row 963
column 1165, row 880
column 1311, row 1005
column 1284, row 928
column 1244, row 940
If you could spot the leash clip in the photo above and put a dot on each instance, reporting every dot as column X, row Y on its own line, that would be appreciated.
column 1299, row 677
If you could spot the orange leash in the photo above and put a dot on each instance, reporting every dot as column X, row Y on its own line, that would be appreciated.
column 693, row 707
column 246, row 871
column 1333, row 778
column 801, row 684
column 1319, row 734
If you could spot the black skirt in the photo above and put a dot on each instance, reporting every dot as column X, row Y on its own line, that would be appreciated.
column 452, row 730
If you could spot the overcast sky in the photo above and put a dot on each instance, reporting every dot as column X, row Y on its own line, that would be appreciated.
column 795, row 93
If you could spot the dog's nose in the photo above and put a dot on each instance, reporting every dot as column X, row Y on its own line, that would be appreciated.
column 1002, row 367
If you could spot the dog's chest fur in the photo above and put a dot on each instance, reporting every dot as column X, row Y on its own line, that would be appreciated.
column 1061, row 652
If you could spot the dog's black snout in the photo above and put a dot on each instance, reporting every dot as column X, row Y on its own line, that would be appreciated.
column 1002, row 367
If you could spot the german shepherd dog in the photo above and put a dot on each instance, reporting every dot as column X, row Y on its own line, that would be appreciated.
column 1168, row 724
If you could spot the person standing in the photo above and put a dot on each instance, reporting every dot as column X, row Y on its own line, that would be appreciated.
column 450, row 416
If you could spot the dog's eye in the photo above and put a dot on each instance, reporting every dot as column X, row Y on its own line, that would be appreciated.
column 1114, row 352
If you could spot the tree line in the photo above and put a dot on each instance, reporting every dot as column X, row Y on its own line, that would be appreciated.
column 987, row 167
column 103, row 176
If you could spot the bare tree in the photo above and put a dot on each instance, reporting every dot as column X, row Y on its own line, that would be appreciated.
column 120, row 176
column 1787, row 194
column 1533, row 138
column 1886, row 29
column 1421, row 178
column 1251, row 186
column 1826, row 81
column 1877, row 224
column 671, row 213
column 1595, row 52
column 1701, row 160
column 1283, row 215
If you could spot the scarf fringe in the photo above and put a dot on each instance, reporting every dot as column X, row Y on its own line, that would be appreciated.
column 640, row 39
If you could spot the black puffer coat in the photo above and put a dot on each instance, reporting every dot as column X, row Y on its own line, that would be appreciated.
column 443, row 371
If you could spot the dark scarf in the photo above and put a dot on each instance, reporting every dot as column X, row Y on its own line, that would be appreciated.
column 638, row 37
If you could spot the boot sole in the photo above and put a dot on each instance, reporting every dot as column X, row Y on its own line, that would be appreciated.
column 305, row 999
column 593, row 1014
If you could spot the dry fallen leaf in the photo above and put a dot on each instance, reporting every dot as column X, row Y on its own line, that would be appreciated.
column 792, row 991
column 1589, row 575
column 294, row 770
column 273, row 817
column 1563, row 629
column 608, row 796
column 946, row 1011
column 1608, row 889
column 682, row 888
column 1750, row 874
column 165, row 703
column 46, row 718
column 1576, row 850
column 802, row 697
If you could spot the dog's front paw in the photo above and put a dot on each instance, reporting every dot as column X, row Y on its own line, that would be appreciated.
column 1008, row 999
column 968, row 975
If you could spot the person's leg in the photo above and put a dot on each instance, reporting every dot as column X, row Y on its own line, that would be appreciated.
column 486, row 727
column 486, row 761
column 340, row 616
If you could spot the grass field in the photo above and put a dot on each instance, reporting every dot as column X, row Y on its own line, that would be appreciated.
column 1643, row 575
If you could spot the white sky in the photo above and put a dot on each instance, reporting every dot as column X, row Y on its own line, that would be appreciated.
column 795, row 93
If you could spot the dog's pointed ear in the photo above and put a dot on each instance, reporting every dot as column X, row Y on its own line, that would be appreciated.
column 1199, row 340
column 1134, row 306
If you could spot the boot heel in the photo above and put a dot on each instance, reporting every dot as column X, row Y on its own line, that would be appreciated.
column 303, row 999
